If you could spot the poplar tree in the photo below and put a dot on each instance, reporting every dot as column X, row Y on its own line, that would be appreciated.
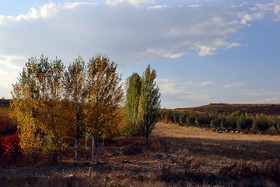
column 75, row 98
column 36, row 97
column 132, row 103
column 25, row 109
column 149, row 102
column 104, row 97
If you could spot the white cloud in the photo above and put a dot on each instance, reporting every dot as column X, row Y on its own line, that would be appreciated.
column 165, row 80
column 88, row 28
column 234, row 44
column 261, row 92
column 132, row 2
column 207, row 83
column 196, row 96
column 45, row 11
column 12, row 62
column 173, row 88
column 157, row 7
column 262, row 9
column 268, row 100
column 250, row 17
column 277, row 12
column 7, row 78
column 277, row 9
column 234, row 84
column 194, row 6
column 240, row 5
column 77, row 4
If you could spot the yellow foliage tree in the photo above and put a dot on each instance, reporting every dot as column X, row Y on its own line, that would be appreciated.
column 36, row 105
column 103, row 99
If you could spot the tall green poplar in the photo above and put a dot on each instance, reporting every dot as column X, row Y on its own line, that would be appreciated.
column 133, row 92
column 149, row 102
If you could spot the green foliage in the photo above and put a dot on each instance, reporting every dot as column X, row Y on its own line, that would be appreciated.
column 126, row 128
column 216, row 122
column 224, row 123
column 231, row 120
column 244, row 123
column 203, row 120
column 261, row 124
column 132, row 102
column 191, row 119
column 183, row 118
column 149, row 102
column 236, row 114
column 162, row 113
column 175, row 118
column 276, row 124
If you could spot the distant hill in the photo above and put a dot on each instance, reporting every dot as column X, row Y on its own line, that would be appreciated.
column 5, row 102
column 268, row 109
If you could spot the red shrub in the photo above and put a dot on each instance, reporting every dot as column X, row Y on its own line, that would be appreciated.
column 10, row 149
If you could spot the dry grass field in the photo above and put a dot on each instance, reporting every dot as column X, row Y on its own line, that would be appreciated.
column 173, row 156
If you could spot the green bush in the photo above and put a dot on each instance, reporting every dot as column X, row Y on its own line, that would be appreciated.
column 191, row 119
column 276, row 124
column 203, row 120
column 175, row 117
column 231, row 120
column 244, row 123
column 162, row 114
column 216, row 122
column 224, row 123
column 183, row 118
column 261, row 124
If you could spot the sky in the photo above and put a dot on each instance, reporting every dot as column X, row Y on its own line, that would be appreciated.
column 204, row 51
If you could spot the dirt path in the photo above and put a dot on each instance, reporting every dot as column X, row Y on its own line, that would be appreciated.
column 176, row 131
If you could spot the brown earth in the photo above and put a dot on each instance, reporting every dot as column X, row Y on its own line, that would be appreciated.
column 268, row 109
column 173, row 156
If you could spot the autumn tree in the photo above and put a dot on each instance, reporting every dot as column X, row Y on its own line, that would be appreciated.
column 104, row 97
column 25, row 109
column 149, row 102
column 75, row 98
column 36, row 105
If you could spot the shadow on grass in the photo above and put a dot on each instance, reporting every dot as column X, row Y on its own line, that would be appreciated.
column 236, row 149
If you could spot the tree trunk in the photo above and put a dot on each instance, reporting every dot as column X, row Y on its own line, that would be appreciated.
column 77, row 152
column 147, row 132
column 102, row 146
column 96, row 153
column 54, row 157
column 86, row 147
column 92, row 150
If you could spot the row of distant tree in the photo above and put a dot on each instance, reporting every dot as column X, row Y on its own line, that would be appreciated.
column 234, row 121
column 82, row 101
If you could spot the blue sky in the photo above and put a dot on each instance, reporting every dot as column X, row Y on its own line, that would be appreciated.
column 203, row 50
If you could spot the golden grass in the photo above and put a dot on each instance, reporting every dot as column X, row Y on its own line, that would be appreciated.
column 175, row 131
